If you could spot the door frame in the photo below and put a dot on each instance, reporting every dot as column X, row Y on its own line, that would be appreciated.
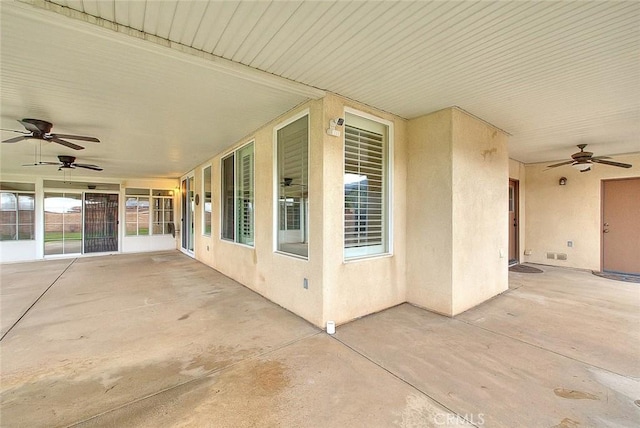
column 516, row 210
column 183, row 215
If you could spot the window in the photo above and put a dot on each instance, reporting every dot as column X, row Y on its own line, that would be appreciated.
column 228, row 199
column 17, row 212
column 292, row 151
column 162, row 212
column 141, row 218
column 366, row 165
column 238, row 196
column 137, row 212
column 206, row 206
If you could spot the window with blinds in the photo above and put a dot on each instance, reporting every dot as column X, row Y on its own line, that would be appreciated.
column 244, row 196
column 293, row 193
column 238, row 196
column 365, row 187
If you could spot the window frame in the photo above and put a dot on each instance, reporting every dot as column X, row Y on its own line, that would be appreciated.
column 17, row 224
column 138, row 223
column 388, row 186
column 236, row 188
column 304, row 220
column 206, row 213
column 166, row 229
column 151, row 195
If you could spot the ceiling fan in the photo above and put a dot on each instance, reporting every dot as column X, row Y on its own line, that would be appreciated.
column 288, row 182
column 67, row 162
column 41, row 130
column 583, row 160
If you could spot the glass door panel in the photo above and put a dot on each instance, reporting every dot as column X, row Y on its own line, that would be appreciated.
column 62, row 223
column 188, row 210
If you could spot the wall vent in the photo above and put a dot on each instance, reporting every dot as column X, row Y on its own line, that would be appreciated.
column 561, row 256
column 551, row 256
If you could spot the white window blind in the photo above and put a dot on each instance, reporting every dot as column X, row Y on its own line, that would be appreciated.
column 238, row 195
column 245, row 195
column 365, row 217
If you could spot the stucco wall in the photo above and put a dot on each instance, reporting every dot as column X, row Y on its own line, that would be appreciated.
column 429, row 208
column 337, row 291
column 457, row 237
column 557, row 214
column 276, row 276
column 480, row 215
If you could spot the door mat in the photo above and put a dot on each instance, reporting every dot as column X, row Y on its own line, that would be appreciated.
column 618, row 276
column 525, row 269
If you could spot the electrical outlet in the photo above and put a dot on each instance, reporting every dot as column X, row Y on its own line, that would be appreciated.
column 305, row 284
column 570, row 244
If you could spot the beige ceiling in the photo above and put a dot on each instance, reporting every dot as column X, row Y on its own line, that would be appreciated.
column 167, row 84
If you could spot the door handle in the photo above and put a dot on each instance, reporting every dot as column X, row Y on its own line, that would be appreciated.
column 605, row 231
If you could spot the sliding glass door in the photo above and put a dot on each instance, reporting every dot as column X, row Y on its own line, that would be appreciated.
column 76, row 223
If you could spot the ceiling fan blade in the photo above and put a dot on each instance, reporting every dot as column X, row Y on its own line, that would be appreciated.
column 620, row 164
column 561, row 163
column 13, row 130
column 76, row 137
column 65, row 143
column 87, row 166
column 16, row 139
column 600, row 157
column 41, row 163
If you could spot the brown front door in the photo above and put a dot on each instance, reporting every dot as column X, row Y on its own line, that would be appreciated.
column 513, row 221
column 621, row 225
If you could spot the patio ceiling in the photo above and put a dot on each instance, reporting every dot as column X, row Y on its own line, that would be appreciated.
column 166, row 85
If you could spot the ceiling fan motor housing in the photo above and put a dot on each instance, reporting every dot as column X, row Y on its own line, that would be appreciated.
column 65, row 159
column 38, row 126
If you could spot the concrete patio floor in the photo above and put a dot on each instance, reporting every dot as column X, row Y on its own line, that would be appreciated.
column 160, row 340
